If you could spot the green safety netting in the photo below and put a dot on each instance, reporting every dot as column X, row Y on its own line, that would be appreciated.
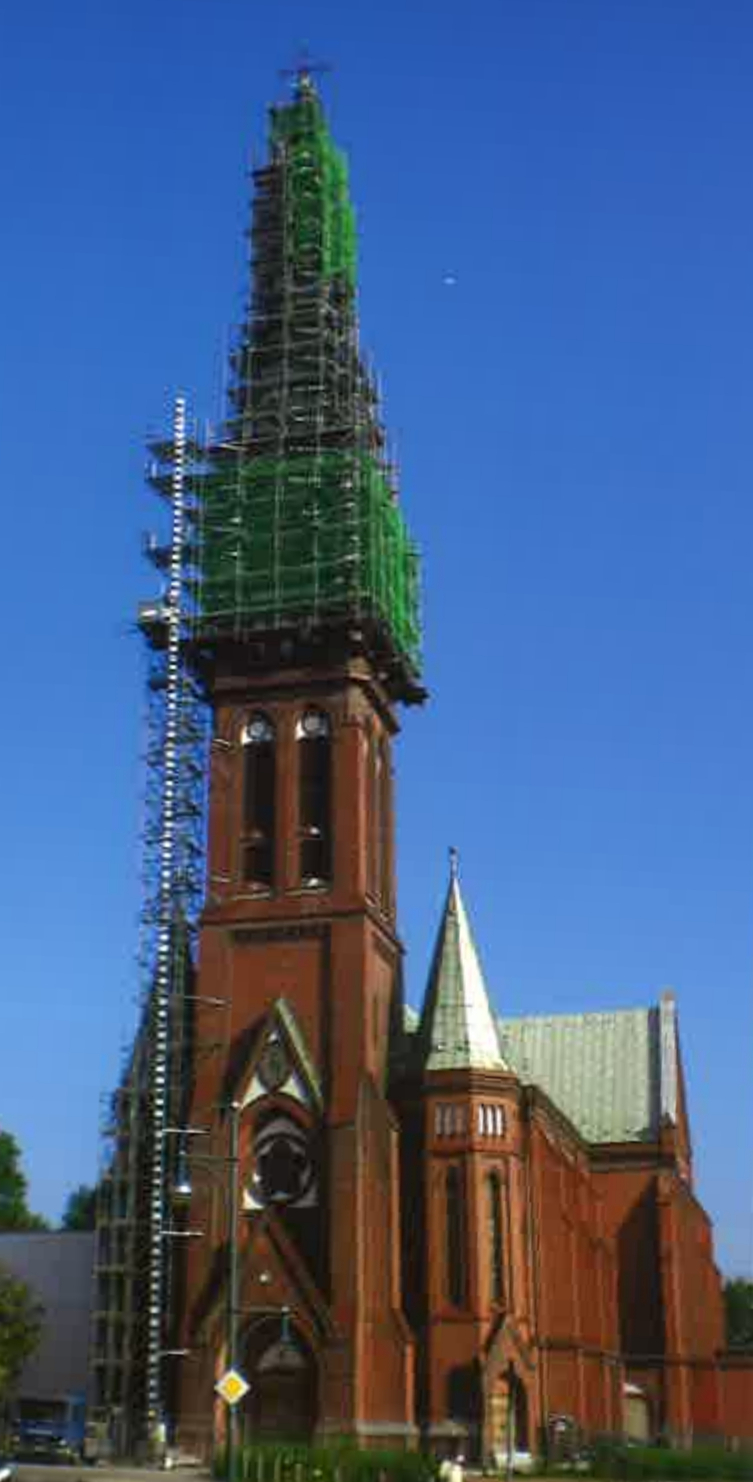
column 314, row 535
column 307, row 537
column 320, row 232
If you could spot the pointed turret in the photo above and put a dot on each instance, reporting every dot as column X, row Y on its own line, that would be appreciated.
column 457, row 1030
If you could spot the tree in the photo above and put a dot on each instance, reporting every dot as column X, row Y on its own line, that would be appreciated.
column 20, row 1327
column 80, row 1212
column 14, row 1211
column 738, row 1307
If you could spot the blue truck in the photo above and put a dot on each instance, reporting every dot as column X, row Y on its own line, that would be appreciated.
column 49, row 1429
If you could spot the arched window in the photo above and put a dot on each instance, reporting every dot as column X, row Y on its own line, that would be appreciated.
column 258, row 822
column 496, row 1254
column 314, row 738
column 374, row 818
column 455, row 1231
column 385, row 808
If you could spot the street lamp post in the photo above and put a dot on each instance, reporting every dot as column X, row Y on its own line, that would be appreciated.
column 182, row 1192
column 232, row 1307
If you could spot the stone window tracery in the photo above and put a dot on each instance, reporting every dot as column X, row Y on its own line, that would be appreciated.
column 284, row 1165
column 490, row 1120
column 450, row 1119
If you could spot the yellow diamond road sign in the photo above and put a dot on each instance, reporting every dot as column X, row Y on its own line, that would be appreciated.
column 232, row 1387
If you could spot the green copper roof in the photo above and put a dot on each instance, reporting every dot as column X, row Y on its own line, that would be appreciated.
column 457, row 1029
column 615, row 1075
column 603, row 1069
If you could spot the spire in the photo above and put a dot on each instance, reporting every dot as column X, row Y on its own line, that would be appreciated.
column 301, row 529
column 457, row 1030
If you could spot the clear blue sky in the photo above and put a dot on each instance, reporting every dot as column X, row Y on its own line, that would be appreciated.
column 573, row 419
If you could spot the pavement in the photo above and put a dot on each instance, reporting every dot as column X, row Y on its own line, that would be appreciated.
column 37, row 1471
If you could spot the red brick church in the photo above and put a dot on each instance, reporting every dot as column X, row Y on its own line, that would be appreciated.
column 453, row 1228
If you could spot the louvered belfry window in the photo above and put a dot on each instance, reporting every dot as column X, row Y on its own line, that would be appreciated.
column 314, row 740
column 258, row 821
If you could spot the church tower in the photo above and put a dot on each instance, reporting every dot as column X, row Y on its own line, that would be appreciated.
column 307, row 639
column 467, row 1280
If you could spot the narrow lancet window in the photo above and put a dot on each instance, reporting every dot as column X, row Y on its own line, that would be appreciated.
column 455, row 1226
column 496, row 1256
column 314, row 739
column 258, row 823
column 385, row 853
column 374, row 819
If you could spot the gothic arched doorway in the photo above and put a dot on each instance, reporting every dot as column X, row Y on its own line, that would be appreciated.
column 282, row 1374
column 509, row 1421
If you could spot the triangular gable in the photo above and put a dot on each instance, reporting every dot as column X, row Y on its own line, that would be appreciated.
column 506, row 1341
column 280, row 1062
column 268, row 1249
column 271, row 1249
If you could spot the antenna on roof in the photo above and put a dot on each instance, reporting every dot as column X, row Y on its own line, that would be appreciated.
column 454, row 862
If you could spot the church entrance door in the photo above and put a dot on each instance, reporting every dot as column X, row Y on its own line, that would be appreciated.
column 509, row 1415
column 282, row 1399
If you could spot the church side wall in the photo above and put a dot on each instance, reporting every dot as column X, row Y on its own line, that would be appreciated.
column 670, row 1303
column 736, row 1396
column 631, row 1216
column 577, row 1317
column 694, row 1312
column 699, row 1324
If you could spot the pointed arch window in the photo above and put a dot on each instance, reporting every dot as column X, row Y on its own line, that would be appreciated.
column 495, row 1238
column 258, row 819
column 375, row 821
column 314, row 739
column 385, row 807
column 457, row 1275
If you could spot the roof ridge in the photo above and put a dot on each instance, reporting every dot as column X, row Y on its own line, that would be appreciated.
column 572, row 1014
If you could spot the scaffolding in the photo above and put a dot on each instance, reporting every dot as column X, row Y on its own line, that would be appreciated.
column 285, row 521
column 133, row 1312
column 300, row 521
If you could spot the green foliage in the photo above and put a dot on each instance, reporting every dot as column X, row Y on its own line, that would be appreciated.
column 20, row 1327
column 654, row 1463
column 80, row 1212
column 14, row 1212
column 738, row 1307
column 282, row 1461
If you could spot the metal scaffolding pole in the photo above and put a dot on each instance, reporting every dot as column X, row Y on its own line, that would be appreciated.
column 163, row 983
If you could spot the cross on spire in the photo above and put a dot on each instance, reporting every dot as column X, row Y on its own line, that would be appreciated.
column 304, row 71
